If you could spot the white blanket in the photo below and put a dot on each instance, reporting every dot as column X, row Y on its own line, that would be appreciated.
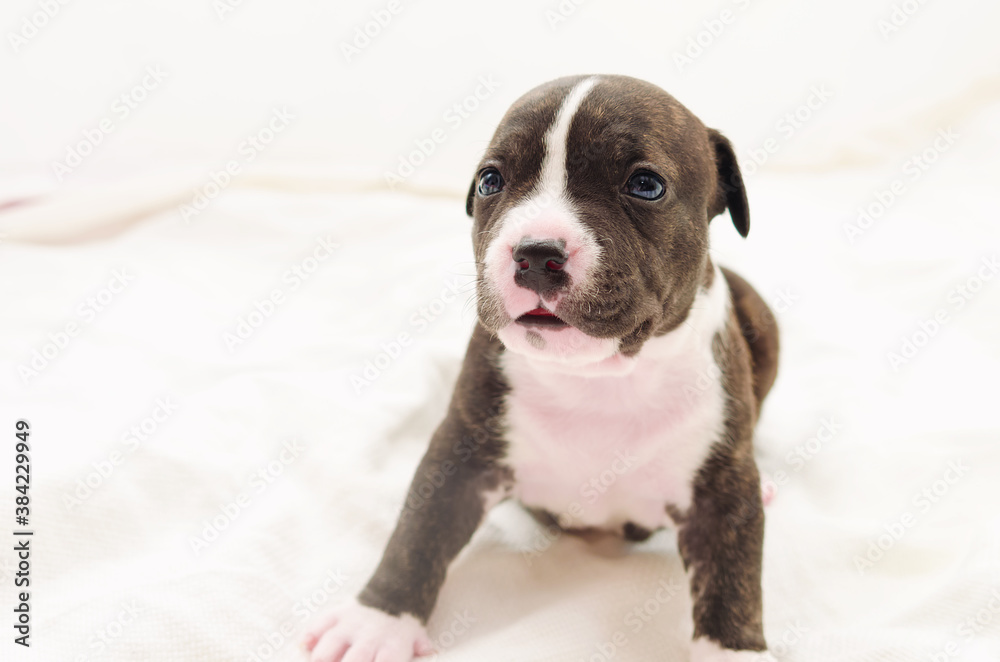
column 197, row 492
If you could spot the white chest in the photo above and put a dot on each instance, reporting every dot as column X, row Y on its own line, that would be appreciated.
column 602, row 450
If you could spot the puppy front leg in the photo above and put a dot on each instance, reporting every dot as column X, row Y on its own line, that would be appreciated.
column 721, row 542
column 446, row 503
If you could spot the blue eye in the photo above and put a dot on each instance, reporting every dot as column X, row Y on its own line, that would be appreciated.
column 644, row 184
column 490, row 182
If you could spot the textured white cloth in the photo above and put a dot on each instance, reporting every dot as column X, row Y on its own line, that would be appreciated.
column 321, row 513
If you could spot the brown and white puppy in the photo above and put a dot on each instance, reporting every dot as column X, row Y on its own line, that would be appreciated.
column 614, row 377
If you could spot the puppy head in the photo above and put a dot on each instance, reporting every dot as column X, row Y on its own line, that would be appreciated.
column 591, row 210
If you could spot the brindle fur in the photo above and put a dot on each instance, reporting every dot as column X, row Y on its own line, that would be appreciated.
column 652, row 270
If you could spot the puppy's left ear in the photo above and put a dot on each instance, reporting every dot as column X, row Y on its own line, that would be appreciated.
column 471, row 197
column 730, row 192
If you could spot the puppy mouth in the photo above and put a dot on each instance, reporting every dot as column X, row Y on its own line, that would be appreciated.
column 540, row 317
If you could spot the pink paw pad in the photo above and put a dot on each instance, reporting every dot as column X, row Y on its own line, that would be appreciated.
column 353, row 632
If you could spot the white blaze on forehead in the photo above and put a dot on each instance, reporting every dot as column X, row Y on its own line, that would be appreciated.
column 547, row 213
column 553, row 176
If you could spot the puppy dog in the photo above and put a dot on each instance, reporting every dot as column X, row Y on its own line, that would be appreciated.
column 606, row 339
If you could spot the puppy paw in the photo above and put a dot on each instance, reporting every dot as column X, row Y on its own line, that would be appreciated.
column 353, row 632
column 768, row 489
column 706, row 650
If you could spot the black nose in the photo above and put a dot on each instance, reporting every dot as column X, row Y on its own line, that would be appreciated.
column 540, row 264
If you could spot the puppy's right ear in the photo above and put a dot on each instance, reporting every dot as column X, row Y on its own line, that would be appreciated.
column 730, row 193
column 471, row 197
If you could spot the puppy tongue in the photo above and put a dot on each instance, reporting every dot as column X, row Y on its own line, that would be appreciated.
column 541, row 312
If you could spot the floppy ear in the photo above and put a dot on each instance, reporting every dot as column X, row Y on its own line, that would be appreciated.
column 730, row 192
column 471, row 197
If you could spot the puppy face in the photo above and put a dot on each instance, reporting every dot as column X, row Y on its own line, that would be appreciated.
column 591, row 210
